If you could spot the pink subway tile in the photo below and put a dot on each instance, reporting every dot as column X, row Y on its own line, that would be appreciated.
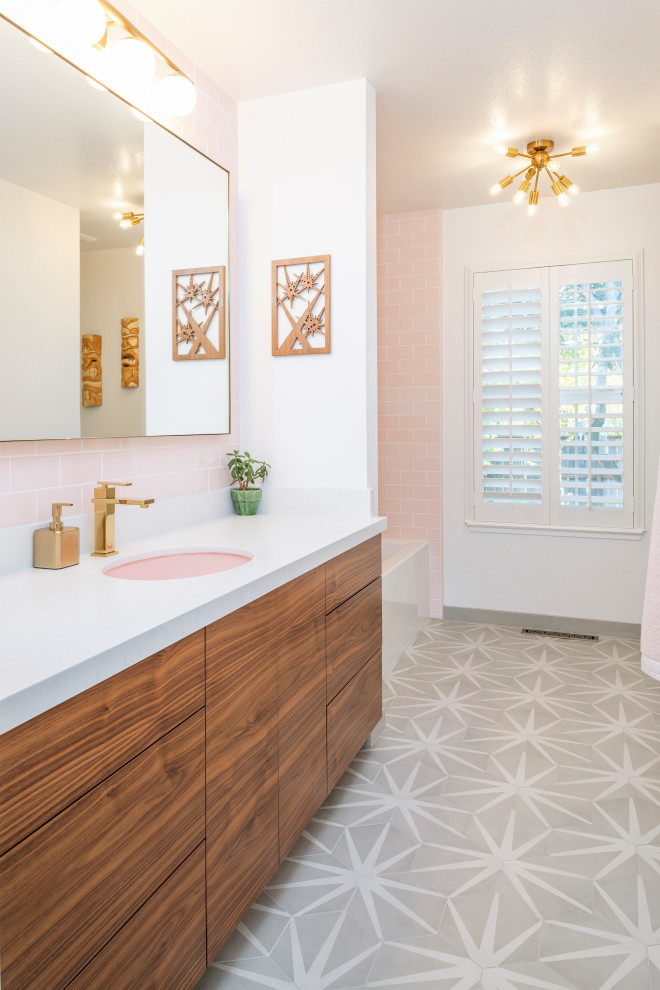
column 154, row 461
column 207, row 457
column 414, row 226
column 5, row 474
column 168, row 485
column 34, row 472
column 84, row 467
column 137, row 443
column 17, row 448
column 18, row 508
column 182, row 458
column 101, row 443
column 195, row 481
column 119, row 465
column 58, row 447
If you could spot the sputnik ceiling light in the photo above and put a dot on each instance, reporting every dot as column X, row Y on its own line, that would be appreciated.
column 541, row 159
column 130, row 56
column 127, row 220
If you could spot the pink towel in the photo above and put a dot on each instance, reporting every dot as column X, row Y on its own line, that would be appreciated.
column 651, row 616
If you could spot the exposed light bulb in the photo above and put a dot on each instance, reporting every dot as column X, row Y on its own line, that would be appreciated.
column 573, row 189
column 125, row 224
column 495, row 190
column 140, row 248
column 563, row 199
column 82, row 21
column 176, row 95
column 531, row 209
column 519, row 196
column 500, row 149
column 592, row 149
column 133, row 61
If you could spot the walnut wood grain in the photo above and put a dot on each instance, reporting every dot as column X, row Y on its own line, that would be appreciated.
column 302, row 717
column 353, row 633
column 242, row 850
column 347, row 574
column 68, row 888
column 50, row 761
column 163, row 946
column 352, row 715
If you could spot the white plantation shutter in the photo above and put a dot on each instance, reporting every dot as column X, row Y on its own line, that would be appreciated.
column 592, row 360
column 509, row 397
column 553, row 410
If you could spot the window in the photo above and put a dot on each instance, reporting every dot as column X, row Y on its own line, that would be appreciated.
column 553, row 397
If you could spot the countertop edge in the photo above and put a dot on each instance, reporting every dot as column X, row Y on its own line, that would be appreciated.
column 62, row 684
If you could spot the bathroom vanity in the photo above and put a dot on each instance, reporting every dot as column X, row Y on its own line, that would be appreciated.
column 141, row 817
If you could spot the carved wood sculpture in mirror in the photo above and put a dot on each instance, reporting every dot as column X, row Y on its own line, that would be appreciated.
column 198, row 314
column 92, row 394
column 130, row 354
column 301, row 306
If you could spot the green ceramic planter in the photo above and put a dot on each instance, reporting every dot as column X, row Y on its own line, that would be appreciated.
column 246, row 501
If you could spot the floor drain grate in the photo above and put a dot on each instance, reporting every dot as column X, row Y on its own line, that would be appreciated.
column 558, row 635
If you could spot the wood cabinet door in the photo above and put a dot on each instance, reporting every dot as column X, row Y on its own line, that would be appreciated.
column 242, row 849
column 346, row 574
column 353, row 633
column 352, row 715
column 163, row 946
column 302, row 675
column 68, row 888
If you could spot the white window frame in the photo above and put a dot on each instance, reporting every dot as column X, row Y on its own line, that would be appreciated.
column 567, row 522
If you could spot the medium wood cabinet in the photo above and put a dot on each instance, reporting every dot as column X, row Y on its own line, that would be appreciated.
column 242, row 843
column 141, row 819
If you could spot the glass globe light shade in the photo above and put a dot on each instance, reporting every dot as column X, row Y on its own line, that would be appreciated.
column 133, row 61
column 83, row 21
column 176, row 95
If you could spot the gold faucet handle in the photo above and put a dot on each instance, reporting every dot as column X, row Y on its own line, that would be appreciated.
column 114, row 484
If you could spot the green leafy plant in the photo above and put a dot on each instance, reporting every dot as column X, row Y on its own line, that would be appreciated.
column 245, row 470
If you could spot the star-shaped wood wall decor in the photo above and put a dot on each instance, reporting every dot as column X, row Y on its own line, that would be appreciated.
column 199, row 328
column 301, row 306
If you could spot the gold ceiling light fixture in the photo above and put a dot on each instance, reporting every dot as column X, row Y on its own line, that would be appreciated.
column 128, row 219
column 130, row 56
column 540, row 159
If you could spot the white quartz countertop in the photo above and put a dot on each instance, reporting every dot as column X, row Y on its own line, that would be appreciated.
column 66, row 630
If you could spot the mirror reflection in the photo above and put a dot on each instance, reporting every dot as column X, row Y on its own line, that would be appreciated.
column 99, row 208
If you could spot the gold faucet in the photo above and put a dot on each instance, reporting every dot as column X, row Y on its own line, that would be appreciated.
column 104, row 515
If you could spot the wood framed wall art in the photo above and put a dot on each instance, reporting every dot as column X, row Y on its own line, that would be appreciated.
column 90, row 361
column 130, row 352
column 198, row 314
column 301, row 306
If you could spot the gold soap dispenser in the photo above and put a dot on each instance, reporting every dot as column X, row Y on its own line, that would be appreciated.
column 59, row 545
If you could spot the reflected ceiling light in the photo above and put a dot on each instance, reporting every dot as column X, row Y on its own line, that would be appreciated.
column 83, row 21
column 539, row 154
column 140, row 248
column 128, row 219
column 133, row 61
column 176, row 95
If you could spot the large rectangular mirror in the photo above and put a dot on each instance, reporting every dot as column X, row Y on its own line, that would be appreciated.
column 72, row 158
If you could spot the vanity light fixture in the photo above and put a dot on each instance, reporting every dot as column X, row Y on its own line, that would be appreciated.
column 541, row 159
column 132, row 57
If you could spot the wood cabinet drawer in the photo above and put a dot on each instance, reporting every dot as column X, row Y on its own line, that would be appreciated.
column 351, row 571
column 352, row 715
column 353, row 633
column 68, row 888
column 50, row 761
column 163, row 946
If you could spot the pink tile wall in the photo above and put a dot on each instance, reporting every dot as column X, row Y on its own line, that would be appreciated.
column 410, row 382
column 34, row 474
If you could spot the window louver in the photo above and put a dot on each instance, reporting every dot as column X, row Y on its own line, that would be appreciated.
column 511, row 393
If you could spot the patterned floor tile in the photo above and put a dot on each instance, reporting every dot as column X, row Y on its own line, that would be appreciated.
column 503, row 832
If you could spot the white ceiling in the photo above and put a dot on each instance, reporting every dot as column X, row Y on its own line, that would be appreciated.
column 453, row 78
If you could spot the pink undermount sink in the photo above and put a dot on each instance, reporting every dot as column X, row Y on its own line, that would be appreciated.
column 172, row 565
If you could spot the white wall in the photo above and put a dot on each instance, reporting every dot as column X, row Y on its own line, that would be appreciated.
column 111, row 288
column 578, row 577
column 39, row 316
column 307, row 187
column 182, row 396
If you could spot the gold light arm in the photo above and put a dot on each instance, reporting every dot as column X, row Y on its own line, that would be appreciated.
column 113, row 16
